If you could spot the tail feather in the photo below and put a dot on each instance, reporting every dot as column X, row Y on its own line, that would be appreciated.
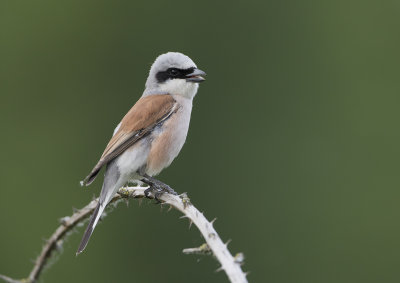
column 92, row 224
column 90, row 178
column 112, row 182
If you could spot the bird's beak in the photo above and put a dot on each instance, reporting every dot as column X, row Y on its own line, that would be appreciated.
column 196, row 76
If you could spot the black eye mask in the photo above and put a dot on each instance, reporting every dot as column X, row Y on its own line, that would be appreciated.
column 173, row 73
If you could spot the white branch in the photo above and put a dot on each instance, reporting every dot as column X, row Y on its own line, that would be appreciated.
column 231, row 265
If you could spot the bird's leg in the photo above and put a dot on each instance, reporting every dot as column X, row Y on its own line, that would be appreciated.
column 164, row 187
column 156, row 187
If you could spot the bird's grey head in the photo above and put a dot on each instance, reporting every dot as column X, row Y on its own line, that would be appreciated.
column 175, row 74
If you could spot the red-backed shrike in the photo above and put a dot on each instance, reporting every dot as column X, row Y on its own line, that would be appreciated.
column 151, row 134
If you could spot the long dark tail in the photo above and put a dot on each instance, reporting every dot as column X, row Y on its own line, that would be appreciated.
column 89, row 230
column 111, row 185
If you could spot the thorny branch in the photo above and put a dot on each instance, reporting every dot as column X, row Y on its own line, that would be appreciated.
column 214, row 245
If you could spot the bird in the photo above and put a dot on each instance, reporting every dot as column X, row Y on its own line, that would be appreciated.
column 150, row 135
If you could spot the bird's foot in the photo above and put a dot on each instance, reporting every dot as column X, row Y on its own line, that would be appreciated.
column 157, row 188
column 157, row 191
column 154, row 191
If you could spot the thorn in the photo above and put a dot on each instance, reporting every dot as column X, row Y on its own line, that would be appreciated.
column 190, row 223
column 183, row 216
column 169, row 209
column 74, row 210
column 183, row 195
column 228, row 242
column 239, row 258
column 219, row 269
column 59, row 245
column 247, row 273
column 212, row 221
column 64, row 220
column 204, row 249
column 185, row 200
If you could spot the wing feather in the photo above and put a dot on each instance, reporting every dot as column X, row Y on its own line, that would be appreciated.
column 144, row 116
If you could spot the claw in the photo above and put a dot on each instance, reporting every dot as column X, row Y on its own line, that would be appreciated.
column 156, row 191
column 148, row 191
column 157, row 187
column 157, row 196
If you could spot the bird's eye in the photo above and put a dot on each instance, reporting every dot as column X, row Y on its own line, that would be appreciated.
column 173, row 72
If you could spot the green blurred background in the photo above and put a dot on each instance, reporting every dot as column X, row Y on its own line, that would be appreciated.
column 293, row 145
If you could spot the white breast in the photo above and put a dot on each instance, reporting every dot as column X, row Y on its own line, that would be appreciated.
column 180, row 127
column 169, row 139
column 132, row 159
